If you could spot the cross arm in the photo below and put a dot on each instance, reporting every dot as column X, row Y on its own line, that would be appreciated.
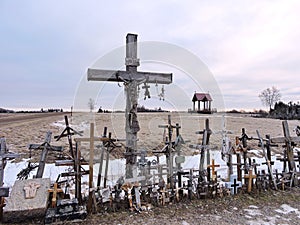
column 119, row 76
column 283, row 139
column 54, row 148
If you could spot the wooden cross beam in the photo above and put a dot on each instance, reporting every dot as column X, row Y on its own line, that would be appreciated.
column 250, row 177
column 131, row 78
column 45, row 147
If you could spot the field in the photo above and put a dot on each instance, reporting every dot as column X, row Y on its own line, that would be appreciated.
column 261, row 208
column 20, row 130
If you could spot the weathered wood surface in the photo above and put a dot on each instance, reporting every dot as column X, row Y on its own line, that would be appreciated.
column 267, row 159
column 101, row 159
column 120, row 76
column 45, row 148
column 250, row 176
column 289, row 142
column 91, row 167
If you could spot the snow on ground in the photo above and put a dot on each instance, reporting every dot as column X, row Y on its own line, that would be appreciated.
column 286, row 209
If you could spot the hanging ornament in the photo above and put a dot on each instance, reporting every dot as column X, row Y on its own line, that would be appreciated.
column 147, row 92
column 161, row 95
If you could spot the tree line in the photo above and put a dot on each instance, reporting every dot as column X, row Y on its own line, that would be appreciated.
column 270, row 97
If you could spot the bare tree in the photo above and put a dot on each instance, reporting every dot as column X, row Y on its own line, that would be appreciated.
column 270, row 96
column 91, row 104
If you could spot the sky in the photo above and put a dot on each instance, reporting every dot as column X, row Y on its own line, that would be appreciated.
column 244, row 47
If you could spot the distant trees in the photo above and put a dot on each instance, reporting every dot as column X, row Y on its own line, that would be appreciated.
column 91, row 104
column 270, row 96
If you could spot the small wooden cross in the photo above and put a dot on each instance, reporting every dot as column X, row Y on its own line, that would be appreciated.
column 54, row 192
column 250, row 176
column 213, row 171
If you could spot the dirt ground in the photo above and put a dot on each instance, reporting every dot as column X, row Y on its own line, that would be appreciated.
column 20, row 130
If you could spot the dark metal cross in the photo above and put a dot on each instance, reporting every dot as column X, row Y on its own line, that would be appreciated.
column 131, row 79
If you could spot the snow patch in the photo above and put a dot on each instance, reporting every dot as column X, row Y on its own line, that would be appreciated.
column 286, row 209
column 253, row 207
column 253, row 212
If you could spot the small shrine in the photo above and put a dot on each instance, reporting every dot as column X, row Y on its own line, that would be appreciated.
column 206, row 99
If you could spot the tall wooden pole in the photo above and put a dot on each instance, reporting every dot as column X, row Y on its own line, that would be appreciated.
column 91, row 166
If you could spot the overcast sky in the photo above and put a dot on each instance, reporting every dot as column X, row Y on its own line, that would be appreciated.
column 248, row 46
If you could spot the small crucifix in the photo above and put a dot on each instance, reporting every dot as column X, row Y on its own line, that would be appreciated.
column 131, row 79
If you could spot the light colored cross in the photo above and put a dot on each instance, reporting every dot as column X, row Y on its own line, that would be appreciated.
column 250, row 177
column 213, row 169
column 131, row 79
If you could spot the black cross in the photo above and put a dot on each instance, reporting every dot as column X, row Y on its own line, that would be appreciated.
column 234, row 186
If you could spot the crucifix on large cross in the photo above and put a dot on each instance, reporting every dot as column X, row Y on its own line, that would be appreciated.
column 131, row 79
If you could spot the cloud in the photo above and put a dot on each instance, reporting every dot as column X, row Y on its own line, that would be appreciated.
column 247, row 45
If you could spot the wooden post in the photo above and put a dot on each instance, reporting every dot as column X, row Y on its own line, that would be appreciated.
column 78, row 173
column 229, row 165
column 239, row 163
column 91, row 169
column 101, row 158
column 202, row 153
column 106, row 163
column 289, row 148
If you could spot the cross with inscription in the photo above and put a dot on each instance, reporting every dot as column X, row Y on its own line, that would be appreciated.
column 131, row 79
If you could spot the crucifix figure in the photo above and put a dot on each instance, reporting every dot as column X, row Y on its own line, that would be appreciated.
column 131, row 79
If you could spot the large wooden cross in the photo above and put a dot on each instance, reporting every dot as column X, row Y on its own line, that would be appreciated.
column 131, row 79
